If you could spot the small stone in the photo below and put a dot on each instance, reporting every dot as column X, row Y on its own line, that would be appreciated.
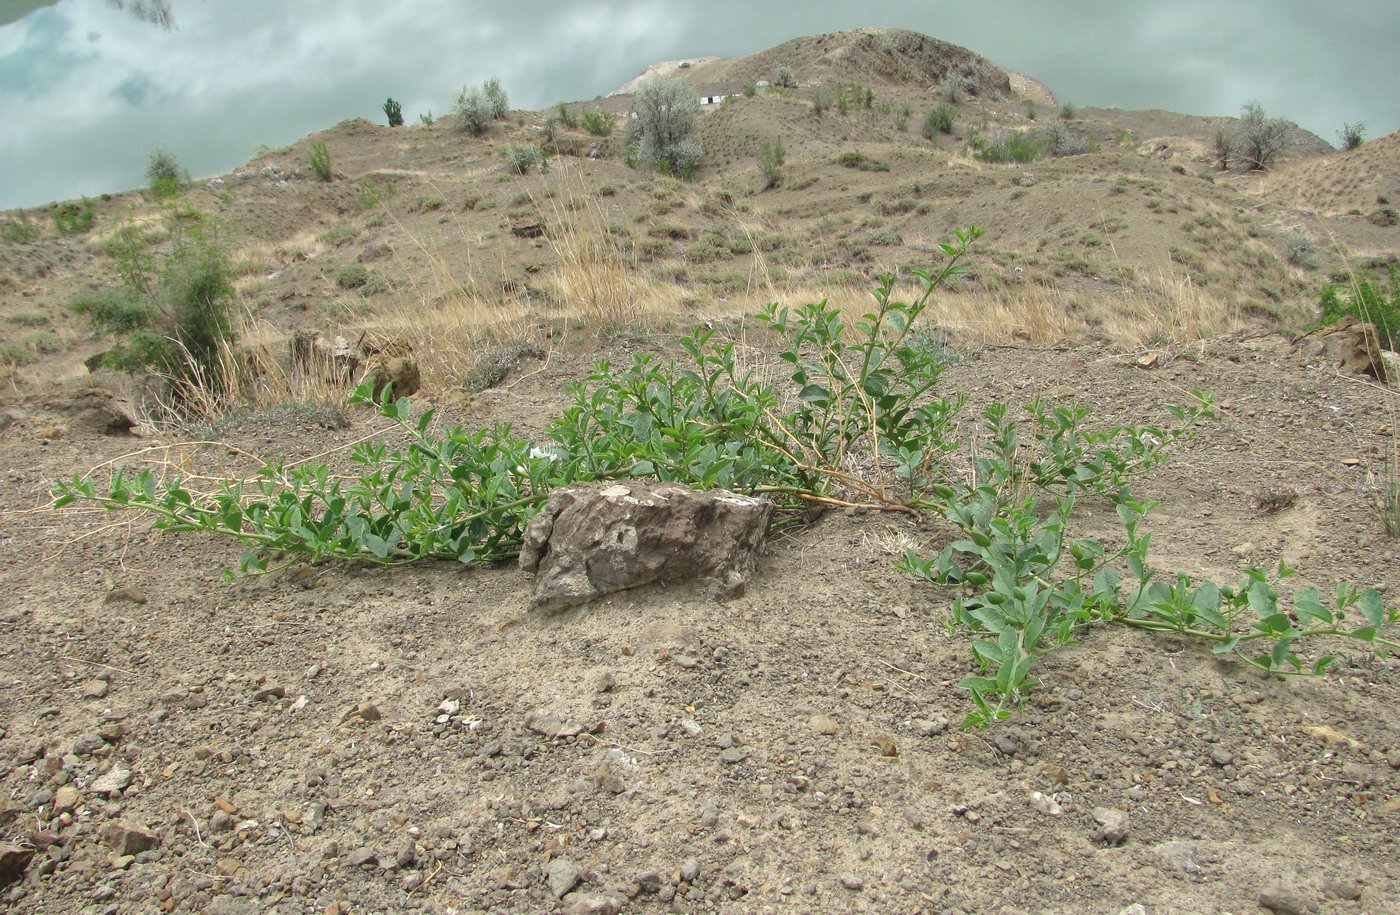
column 733, row 755
column 691, row 727
column 362, row 856
column 1042, row 803
column 1284, row 899
column 95, row 689
column 1113, row 825
column 406, row 856
column 685, row 661
column 1136, row 908
column 851, row 881
column 650, row 882
column 929, row 727
column 1342, row 888
column 13, row 861
column 226, row 805
column 449, row 707
column 128, row 838
column 365, row 711
column 690, row 869
column 228, row 867
column 1055, row 775
column 562, row 875
column 709, row 814
column 605, row 683
column 1221, row 756
column 273, row 693
column 115, row 780
column 823, row 724
column 611, row 774
column 1393, row 758
column 595, row 904
column 66, row 799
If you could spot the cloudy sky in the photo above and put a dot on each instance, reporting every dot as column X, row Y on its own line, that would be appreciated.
column 87, row 90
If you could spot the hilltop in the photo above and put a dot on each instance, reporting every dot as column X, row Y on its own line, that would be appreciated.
column 345, row 738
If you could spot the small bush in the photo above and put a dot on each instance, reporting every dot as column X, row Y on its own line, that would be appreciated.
column 861, row 162
column 821, row 102
column 73, row 218
column 352, row 277
column 426, row 118
column 1365, row 298
column 783, row 77
column 667, row 113
column 1009, row 147
column 939, row 120
column 394, row 112
column 471, row 112
column 1069, row 111
column 520, row 159
column 598, row 123
column 1351, row 135
column 1058, row 141
column 497, row 104
column 750, row 89
column 770, row 163
column 164, row 173
column 320, row 159
column 566, row 117
column 1299, row 249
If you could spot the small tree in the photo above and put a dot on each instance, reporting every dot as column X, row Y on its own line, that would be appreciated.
column 667, row 112
column 470, row 111
column 783, row 77
column 497, row 104
column 164, row 173
column 1224, row 147
column 394, row 112
column 939, row 120
column 1261, row 138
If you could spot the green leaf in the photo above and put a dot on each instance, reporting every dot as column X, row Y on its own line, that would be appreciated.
column 1372, row 606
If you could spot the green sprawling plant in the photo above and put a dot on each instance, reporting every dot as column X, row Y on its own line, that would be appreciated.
column 73, row 217
column 856, row 422
column 1031, row 587
column 164, row 173
column 394, row 112
column 1366, row 298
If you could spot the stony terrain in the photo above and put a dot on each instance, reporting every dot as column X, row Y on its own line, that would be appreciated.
column 343, row 739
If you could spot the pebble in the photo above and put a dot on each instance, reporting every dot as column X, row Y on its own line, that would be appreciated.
column 690, row 869
column 95, row 689
column 823, row 724
column 1178, row 856
column 1221, row 756
column 1042, row 803
column 1342, row 888
column 362, row 856
column 1113, row 825
column 113, row 781
column 128, row 838
column 852, row 881
column 733, row 755
column 929, row 727
column 595, row 904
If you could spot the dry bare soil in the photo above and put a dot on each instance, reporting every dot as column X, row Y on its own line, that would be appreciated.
column 344, row 739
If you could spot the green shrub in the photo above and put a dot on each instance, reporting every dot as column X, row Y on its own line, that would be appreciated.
column 1069, row 111
column 471, row 112
column 821, row 101
column 1058, row 141
column 1351, row 135
column 939, row 120
column 115, row 309
column 1011, row 146
column 566, row 117
column 520, row 159
column 1365, row 298
column 783, row 77
column 861, row 162
column 394, row 112
column 164, row 173
column 497, row 105
column 352, row 277
column 426, row 118
column 770, row 163
column 320, row 159
column 19, row 228
column 598, row 123
column 73, row 218
column 750, row 89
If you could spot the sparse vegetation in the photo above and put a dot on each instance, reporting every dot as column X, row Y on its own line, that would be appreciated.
column 783, row 77
column 520, row 159
column 494, row 97
column 598, row 123
column 1008, row 146
column 19, row 228
column 471, row 112
column 1069, row 111
column 73, row 218
column 861, row 162
column 1366, row 298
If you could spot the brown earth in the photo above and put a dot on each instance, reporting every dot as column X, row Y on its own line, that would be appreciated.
column 343, row 739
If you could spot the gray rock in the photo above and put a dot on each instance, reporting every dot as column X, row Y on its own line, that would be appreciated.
column 1178, row 856
column 651, row 881
column 115, row 780
column 823, row 724
column 561, row 875
column 361, row 856
column 1113, row 825
column 612, row 772
column 690, row 869
column 13, row 861
column 1342, row 888
column 1284, row 899
column 593, row 539
column 94, row 689
column 851, row 881
column 1221, row 756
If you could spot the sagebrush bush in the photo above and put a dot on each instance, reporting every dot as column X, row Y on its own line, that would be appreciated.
column 1351, row 135
column 520, row 159
column 1010, row 146
column 667, row 112
column 497, row 104
column 939, row 120
column 470, row 111
column 783, row 77
column 770, row 162
column 394, row 112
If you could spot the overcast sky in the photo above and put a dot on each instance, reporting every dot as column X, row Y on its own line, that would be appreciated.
column 87, row 91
